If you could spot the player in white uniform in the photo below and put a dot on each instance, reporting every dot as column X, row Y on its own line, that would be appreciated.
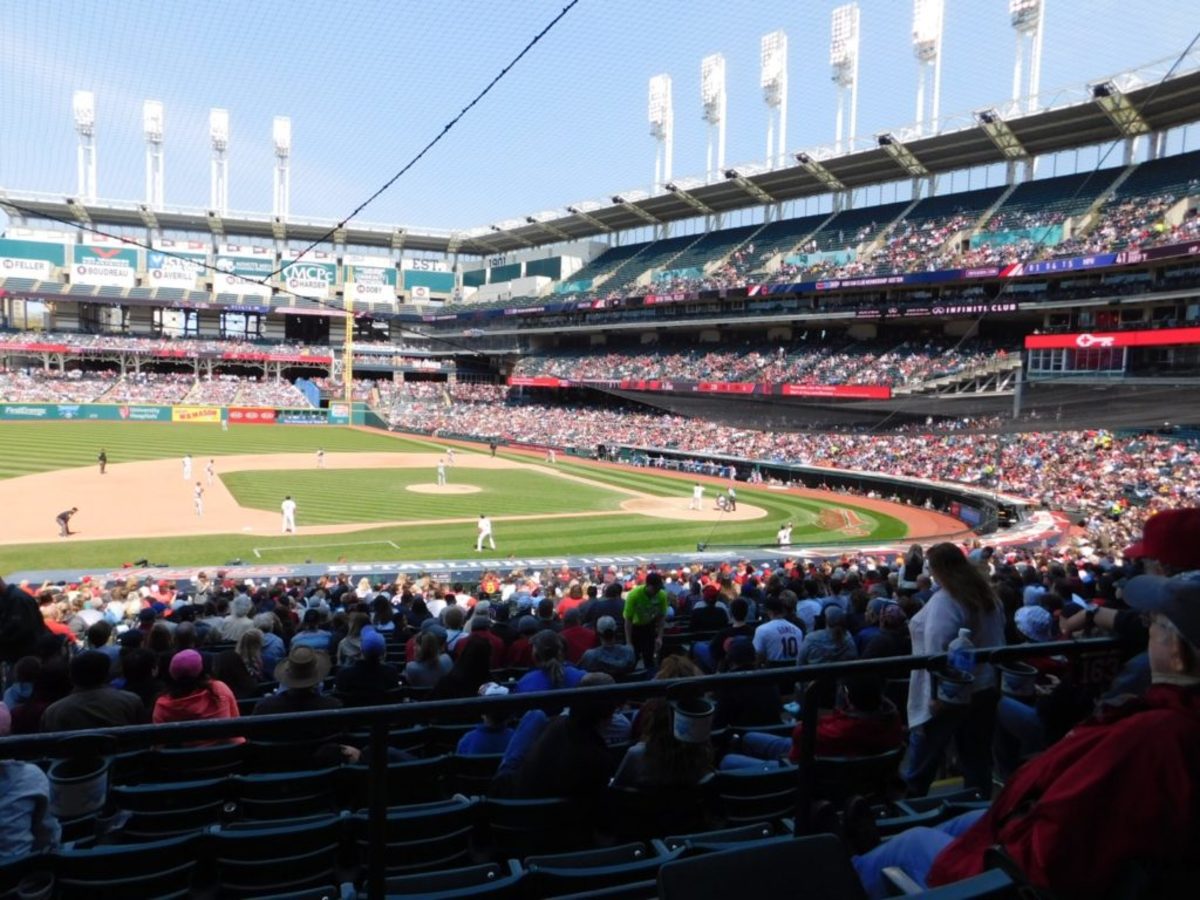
column 321, row 458
column 551, row 456
column 198, row 499
column 288, row 507
column 441, row 472
column 783, row 536
column 210, row 472
column 450, row 456
column 485, row 533
column 187, row 467
column 731, row 499
column 777, row 640
column 697, row 496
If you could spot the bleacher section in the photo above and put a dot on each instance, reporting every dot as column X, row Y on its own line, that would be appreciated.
column 1048, row 201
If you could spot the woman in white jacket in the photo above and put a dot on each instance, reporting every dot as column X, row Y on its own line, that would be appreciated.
column 964, row 599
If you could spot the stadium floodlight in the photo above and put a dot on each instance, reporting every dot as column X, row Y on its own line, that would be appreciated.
column 281, row 135
column 748, row 186
column 630, row 206
column 690, row 199
column 817, row 170
column 1116, row 105
column 1001, row 135
column 1027, row 18
column 587, row 216
column 713, row 99
column 153, row 124
column 843, row 60
column 927, row 47
column 662, row 127
column 773, row 79
column 83, row 108
column 904, row 158
column 218, row 133
column 544, row 220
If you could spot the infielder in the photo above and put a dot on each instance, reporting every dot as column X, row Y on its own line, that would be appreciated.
column 64, row 521
column 288, row 507
column 187, row 467
column 450, row 455
column 198, row 499
column 485, row 532
column 731, row 499
column 697, row 496
column 551, row 457
column 210, row 472
column 441, row 473
column 321, row 458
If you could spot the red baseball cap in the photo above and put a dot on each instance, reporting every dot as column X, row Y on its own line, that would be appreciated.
column 1172, row 537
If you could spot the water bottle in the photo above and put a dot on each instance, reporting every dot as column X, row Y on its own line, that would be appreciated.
column 957, row 690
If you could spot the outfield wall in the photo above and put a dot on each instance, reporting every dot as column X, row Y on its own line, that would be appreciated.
column 337, row 414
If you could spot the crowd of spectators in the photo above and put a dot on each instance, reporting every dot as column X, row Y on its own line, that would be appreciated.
column 104, row 655
column 106, row 386
column 127, row 343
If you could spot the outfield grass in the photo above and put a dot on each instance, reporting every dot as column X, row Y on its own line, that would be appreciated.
column 336, row 495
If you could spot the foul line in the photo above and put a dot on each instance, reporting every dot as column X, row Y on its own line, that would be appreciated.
column 391, row 544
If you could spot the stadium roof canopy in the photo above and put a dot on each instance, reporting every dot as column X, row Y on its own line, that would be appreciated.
column 1169, row 103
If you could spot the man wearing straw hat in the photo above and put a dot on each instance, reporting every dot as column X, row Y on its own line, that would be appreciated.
column 299, row 675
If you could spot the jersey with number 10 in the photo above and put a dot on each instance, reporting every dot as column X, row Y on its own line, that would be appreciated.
column 778, row 640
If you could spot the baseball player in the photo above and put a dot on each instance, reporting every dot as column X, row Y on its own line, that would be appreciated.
column 697, row 496
column 484, row 528
column 64, row 521
column 187, row 467
column 783, row 536
column 210, row 471
column 225, row 424
column 320, row 457
column 103, row 460
column 450, row 455
column 731, row 499
column 288, row 507
column 198, row 499
column 441, row 473
column 551, row 456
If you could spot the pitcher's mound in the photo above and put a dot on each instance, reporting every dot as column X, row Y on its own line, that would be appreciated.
column 677, row 508
column 443, row 489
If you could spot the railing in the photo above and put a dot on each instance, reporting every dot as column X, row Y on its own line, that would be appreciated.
column 1098, row 664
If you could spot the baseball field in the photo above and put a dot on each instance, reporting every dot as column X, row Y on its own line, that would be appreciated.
column 375, row 497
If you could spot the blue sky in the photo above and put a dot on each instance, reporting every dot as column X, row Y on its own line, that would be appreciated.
column 366, row 84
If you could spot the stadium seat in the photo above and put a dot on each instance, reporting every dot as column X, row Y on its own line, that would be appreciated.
column 993, row 884
column 723, row 838
column 567, row 873
column 645, row 813
column 301, row 856
column 518, row 827
column 166, row 809
column 444, row 738
column 873, row 777
column 494, row 880
column 419, row 781
column 187, row 763
column 813, row 867
column 472, row 774
column 423, row 837
column 767, row 793
column 159, row 869
column 284, row 795
column 283, row 756
column 18, row 872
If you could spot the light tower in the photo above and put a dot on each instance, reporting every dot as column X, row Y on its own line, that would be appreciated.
column 712, row 95
column 662, row 128
column 843, row 59
column 83, row 106
column 218, row 131
column 1027, row 17
column 774, row 83
column 152, row 128
column 927, row 47
column 281, row 132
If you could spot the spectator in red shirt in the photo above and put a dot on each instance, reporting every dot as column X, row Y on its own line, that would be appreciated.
column 578, row 637
column 520, row 651
column 480, row 625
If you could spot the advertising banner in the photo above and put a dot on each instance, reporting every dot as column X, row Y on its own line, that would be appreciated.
column 30, row 259
column 301, row 417
column 537, row 381
column 196, row 414
column 840, row 391
column 244, row 270
column 339, row 413
column 424, row 265
column 111, row 266
column 369, row 279
column 313, row 276
column 134, row 413
column 251, row 415
column 176, row 264
column 29, row 411
column 1163, row 337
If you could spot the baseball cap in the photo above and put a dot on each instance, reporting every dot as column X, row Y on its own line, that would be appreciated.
column 1035, row 623
column 491, row 689
column 1172, row 537
column 372, row 642
column 606, row 625
column 1176, row 598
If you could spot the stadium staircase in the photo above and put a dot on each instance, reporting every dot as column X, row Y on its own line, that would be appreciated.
column 994, row 376
column 775, row 241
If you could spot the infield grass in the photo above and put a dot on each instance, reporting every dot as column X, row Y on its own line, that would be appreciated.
column 340, row 495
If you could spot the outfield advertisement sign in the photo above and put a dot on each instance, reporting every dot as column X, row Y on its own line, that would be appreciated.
column 244, row 270
column 88, row 412
column 240, row 415
column 369, row 279
column 339, row 413
column 313, row 276
column 196, row 414
column 108, row 266
column 176, row 264
column 30, row 259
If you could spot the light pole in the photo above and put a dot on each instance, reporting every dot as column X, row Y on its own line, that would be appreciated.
column 927, row 47
column 1027, row 18
column 218, row 132
column 774, row 82
column 153, row 123
column 83, row 107
column 712, row 96
column 281, row 133
column 843, row 60
column 662, row 128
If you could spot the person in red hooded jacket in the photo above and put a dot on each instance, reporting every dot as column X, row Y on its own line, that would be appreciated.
column 1121, row 788
column 193, row 695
